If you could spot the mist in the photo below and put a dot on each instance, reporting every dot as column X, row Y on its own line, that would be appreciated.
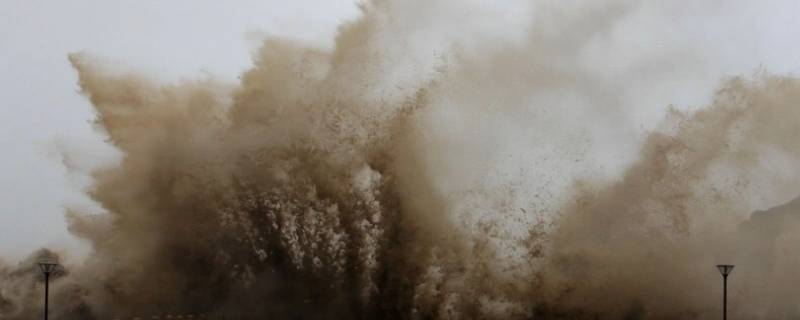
column 447, row 160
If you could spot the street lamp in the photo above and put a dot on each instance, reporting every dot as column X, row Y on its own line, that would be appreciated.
column 725, row 270
column 47, row 267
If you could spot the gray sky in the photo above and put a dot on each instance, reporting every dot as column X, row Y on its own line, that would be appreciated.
column 43, row 115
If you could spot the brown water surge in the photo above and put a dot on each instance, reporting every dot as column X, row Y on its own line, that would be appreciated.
column 413, row 173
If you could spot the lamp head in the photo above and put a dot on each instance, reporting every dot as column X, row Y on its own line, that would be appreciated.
column 725, row 269
column 48, row 266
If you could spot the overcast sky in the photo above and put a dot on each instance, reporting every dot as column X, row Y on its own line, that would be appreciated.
column 43, row 115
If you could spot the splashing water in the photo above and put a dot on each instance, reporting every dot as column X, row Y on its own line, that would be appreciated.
column 430, row 169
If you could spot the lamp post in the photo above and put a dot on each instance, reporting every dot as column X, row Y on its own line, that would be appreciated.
column 47, row 267
column 725, row 270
